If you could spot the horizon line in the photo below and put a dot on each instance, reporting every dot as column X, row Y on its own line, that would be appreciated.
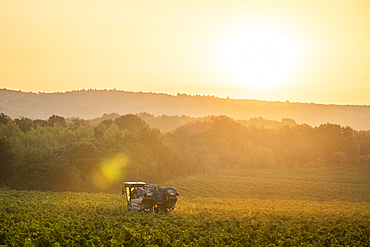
column 183, row 94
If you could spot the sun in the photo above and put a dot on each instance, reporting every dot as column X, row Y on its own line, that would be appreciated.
column 258, row 57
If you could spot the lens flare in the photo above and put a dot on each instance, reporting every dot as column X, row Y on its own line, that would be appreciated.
column 110, row 171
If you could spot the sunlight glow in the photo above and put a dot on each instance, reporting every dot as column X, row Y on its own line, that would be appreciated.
column 110, row 171
column 259, row 57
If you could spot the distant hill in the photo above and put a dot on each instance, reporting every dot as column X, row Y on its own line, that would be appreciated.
column 90, row 104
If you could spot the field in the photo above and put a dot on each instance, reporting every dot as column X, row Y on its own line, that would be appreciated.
column 208, row 213
column 351, row 184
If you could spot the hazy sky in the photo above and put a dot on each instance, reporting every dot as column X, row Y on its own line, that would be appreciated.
column 306, row 51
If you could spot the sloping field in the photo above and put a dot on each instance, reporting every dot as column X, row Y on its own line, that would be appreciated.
column 318, row 207
column 81, row 219
column 350, row 184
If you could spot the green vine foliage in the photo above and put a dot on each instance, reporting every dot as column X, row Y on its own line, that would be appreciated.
column 30, row 218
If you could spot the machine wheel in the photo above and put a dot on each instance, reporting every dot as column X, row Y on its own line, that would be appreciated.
column 170, row 207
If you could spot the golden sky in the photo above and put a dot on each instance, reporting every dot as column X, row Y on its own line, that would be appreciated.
column 306, row 51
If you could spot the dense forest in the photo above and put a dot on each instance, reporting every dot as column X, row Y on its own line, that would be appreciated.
column 75, row 155
column 167, row 123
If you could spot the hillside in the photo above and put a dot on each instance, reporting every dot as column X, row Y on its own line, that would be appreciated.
column 349, row 184
column 89, row 104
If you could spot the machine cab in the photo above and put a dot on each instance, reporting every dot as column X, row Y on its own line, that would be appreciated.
column 130, row 190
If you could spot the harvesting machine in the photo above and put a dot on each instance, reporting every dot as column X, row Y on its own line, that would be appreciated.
column 149, row 198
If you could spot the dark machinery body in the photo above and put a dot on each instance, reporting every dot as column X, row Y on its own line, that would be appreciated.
column 150, row 198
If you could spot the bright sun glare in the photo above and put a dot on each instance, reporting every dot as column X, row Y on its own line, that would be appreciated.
column 259, row 57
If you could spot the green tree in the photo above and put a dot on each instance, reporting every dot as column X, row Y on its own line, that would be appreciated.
column 39, row 122
column 336, row 138
column 56, row 119
column 25, row 124
column 77, row 122
column 83, row 158
column 130, row 122
column 28, row 172
column 99, row 131
column 363, row 139
column 9, row 130
column 107, row 122
column 6, row 160
column 4, row 118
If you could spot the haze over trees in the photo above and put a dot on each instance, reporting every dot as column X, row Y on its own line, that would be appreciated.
column 90, row 104
column 60, row 155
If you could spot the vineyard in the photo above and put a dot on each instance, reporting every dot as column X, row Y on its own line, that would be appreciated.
column 351, row 184
column 218, row 218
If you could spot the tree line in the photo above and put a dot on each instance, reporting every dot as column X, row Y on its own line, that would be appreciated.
column 57, row 155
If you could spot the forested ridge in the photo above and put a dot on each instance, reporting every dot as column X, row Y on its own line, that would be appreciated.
column 92, row 103
column 60, row 155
